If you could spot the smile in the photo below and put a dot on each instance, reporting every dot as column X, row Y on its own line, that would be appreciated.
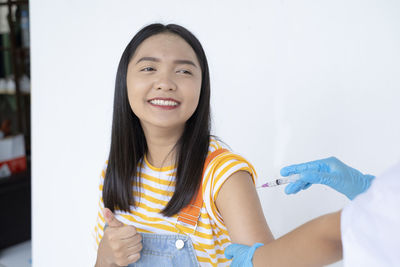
column 164, row 103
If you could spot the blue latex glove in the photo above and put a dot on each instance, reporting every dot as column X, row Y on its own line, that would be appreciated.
column 242, row 255
column 331, row 172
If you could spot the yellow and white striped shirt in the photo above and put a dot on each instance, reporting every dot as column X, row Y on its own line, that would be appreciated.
column 157, row 187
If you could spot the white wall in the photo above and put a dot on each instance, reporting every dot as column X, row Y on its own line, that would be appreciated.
column 300, row 80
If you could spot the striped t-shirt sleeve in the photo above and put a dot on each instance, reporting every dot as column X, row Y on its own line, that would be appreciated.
column 99, row 227
column 217, row 173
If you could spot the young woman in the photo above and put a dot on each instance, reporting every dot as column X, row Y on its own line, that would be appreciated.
column 171, row 194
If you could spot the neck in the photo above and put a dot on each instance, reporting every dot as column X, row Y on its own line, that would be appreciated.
column 161, row 145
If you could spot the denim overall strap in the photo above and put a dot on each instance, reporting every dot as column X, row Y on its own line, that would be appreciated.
column 191, row 213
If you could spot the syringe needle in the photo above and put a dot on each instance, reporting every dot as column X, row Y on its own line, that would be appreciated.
column 276, row 182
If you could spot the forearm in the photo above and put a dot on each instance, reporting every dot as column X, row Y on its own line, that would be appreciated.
column 315, row 243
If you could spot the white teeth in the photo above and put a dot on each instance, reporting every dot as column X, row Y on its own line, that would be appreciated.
column 163, row 102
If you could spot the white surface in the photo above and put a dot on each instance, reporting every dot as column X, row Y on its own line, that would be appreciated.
column 16, row 256
column 300, row 79
column 370, row 224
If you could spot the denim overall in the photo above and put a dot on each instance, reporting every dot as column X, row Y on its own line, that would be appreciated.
column 161, row 250
column 174, row 250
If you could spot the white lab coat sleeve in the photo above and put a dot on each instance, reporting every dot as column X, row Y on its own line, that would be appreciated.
column 370, row 225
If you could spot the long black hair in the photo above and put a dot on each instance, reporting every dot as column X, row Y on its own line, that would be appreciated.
column 128, row 143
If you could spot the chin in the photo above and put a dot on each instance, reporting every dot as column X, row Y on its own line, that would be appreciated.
column 166, row 125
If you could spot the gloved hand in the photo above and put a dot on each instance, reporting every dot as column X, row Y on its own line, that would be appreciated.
column 242, row 255
column 331, row 172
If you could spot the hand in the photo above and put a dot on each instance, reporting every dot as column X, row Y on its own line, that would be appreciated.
column 121, row 243
column 331, row 172
column 242, row 255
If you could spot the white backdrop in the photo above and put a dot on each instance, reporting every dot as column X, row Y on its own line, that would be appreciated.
column 292, row 81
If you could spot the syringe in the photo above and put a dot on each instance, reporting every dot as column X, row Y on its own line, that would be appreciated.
column 276, row 182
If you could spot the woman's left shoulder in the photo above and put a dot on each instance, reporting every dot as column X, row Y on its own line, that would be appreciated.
column 215, row 144
column 228, row 162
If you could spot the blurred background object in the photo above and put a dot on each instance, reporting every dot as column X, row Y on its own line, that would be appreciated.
column 15, row 128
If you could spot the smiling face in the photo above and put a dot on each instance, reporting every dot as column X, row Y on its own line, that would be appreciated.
column 164, row 82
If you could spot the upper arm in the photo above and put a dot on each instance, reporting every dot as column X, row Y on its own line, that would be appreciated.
column 240, row 208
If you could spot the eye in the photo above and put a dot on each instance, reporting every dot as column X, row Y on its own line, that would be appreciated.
column 184, row 72
column 147, row 69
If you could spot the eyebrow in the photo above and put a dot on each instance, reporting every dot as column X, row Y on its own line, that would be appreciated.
column 177, row 61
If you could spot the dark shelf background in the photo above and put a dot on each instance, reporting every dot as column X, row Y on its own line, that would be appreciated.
column 15, row 206
column 15, row 190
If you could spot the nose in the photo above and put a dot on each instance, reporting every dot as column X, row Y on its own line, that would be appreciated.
column 165, row 83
